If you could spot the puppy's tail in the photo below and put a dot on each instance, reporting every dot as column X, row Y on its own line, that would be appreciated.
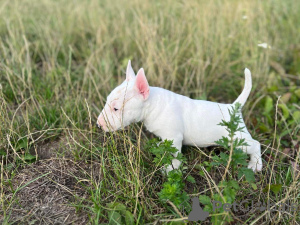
column 247, row 88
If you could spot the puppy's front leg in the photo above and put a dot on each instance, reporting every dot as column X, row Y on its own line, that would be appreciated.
column 177, row 143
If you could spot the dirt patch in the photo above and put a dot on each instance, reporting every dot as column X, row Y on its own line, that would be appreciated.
column 59, row 146
column 47, row 189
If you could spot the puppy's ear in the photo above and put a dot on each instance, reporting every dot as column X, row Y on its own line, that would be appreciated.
column 129, row 72
column 141, row 84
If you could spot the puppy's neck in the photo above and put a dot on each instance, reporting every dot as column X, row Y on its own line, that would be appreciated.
column 154, row 105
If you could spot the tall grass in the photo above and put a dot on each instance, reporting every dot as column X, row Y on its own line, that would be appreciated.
column 60, row 59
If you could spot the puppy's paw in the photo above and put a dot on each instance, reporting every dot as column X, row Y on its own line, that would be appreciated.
column 256, row 165
column 166, row 169
column 175, row 165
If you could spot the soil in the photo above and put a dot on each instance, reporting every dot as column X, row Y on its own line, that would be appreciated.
column 45, row 191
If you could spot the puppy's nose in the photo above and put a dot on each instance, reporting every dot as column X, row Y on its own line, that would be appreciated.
column 101, row 122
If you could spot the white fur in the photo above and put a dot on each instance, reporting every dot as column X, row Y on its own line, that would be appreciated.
column 174, row 117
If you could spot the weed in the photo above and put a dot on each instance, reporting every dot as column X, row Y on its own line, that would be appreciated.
column 173, row 189
column 236, row 155
column 236, row 160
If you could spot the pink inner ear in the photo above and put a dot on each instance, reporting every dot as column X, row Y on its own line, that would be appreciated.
column 142, row 85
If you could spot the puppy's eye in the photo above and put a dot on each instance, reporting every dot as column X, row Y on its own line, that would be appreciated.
column 116, row 109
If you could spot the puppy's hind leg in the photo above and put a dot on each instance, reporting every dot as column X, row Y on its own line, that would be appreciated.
column 254, row 150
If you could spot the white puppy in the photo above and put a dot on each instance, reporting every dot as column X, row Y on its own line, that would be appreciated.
column 172, row 116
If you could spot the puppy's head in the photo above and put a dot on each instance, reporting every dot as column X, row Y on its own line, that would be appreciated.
column 125, row 103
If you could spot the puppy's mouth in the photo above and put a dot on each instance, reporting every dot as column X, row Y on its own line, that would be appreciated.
column 111, row 129
column 105, row 128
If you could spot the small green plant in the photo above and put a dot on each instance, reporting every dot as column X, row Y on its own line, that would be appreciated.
column 236, row 161
column 163, row 151
column 118, row 214
column 228, row 190
column 173, row 188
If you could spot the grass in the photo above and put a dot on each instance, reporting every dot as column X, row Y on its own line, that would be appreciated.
column 60, row 59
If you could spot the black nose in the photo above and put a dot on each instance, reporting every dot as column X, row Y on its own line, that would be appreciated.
column 98, row 125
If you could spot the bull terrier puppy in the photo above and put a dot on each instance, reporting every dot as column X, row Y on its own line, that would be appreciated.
column 174, row 117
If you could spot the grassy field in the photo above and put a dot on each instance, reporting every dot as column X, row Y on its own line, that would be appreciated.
column 60, row 59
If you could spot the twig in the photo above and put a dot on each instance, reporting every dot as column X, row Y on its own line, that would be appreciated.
column 174, row 207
